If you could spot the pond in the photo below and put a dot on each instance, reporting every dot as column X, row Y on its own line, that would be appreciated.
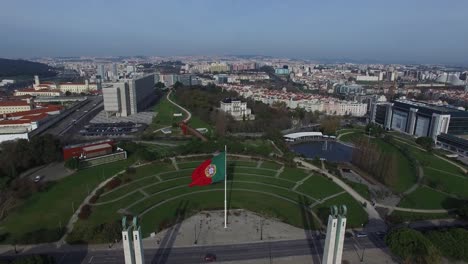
column 329, row 150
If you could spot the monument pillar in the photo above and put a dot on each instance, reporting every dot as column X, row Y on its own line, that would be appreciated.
column 334, row 241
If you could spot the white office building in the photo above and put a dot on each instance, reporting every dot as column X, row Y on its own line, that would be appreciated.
column 129, row 96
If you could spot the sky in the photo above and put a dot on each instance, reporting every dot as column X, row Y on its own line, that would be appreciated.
column 397, row 31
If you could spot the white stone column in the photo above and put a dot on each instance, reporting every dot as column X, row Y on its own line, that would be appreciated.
column 128, row 245
column 138, row 246
column 329, row 247
column 340, row 235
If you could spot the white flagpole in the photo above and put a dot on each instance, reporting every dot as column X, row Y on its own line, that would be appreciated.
column 225, row 186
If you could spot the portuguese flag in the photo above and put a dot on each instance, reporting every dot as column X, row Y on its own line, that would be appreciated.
column 210, row 171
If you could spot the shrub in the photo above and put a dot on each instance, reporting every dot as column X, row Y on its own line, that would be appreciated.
column 34, row 259
column 112, row 184
column 93, row 199
column 72, row 163
column 130, row 170
column 103, row 233
column 85, row 212
column 41, row 236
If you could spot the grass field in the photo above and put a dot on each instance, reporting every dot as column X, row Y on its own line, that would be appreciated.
column 50, row 209
column 255, row 189
column 427, row 198
column 398, row 217
column 165, row 114
column 440, row 174
column 406, row 174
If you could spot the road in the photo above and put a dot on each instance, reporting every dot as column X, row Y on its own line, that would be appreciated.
column 79, row 117
column 194, row 254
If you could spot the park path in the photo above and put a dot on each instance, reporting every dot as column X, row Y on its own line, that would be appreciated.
column 419, row 181
column 74, row 217
column 346, row 133
column 189, row 115
column 235, row 189
column 376, row 223
column 280, row 153
column 440, row 157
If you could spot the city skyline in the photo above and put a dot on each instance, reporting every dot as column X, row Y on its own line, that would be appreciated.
column 399, row 32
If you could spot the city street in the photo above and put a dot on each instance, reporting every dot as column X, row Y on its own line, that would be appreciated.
column 195, row 254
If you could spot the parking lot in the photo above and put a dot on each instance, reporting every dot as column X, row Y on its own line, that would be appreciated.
column 111, row 129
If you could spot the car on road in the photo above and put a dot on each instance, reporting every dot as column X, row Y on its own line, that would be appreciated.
column 361, row 234
column 38, row 178
column 210, row 257
column 381, row 234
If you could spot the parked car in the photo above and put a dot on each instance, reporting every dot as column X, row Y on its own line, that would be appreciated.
column 210, row 257
column 38, row 178
column 361, row 234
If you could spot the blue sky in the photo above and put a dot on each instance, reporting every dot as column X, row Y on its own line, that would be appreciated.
column 426, row 31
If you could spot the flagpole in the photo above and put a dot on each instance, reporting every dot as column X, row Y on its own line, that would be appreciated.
column 225, row 186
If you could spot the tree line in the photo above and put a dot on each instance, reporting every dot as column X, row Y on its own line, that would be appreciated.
column 413, row 246
column 381, row 165
column 204, row 101
column 19, row 156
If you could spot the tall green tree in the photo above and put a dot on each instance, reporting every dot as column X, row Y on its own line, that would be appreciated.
column 412, row 246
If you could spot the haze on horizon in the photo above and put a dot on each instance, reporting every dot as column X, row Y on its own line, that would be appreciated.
column 391, row 31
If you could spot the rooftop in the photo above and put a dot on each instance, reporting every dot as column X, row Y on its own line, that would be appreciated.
column 14, row 103
column 444, row 109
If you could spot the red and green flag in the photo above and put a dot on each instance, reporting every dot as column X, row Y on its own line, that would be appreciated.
column 210, row 171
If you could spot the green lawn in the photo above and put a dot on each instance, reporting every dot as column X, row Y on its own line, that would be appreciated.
column 356, row 215
column 398, row 217
column 253, row 171
column 406, row 174
column 293, row 174
column 319, row 187
column 426, row 198
column 165, row 114
column 361, row 188
column 265, row 204
column 271, row 165
column 47, row 210
column 347, row 130
column 249, row 188
column 352, row 137
column 447, row 182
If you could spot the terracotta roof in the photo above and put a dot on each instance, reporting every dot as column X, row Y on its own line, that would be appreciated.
column 14, row 103
column 38, row 91
column 14, row 122
column 50, row 108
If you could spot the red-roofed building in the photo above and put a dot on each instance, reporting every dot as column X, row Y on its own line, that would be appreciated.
column 88, row 150
column 12, row 106
column 34, row 92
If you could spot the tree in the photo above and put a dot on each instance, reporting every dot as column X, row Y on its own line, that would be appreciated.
column 160, row 85
column 221, row 124
column 72, row 163
column 34, row 259
column 426, row 142
column 462, row 211
column 178, row 85
column 67, row 93
column 330, row 124
column 412, row 246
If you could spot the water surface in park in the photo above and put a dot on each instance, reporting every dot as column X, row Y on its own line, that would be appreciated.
column 329, row 150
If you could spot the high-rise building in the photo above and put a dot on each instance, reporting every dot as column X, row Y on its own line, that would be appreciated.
column 419, row 119
column 101, row 73
column 115, row 74
column 129, row 96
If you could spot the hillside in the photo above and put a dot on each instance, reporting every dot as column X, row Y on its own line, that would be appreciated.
column 10, row 68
